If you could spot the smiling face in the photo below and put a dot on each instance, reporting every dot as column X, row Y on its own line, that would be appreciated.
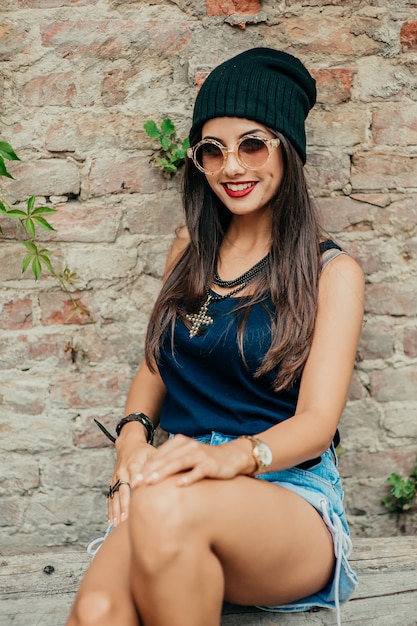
column 243, row 191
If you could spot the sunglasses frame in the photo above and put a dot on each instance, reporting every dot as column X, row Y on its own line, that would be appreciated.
column 271, row 144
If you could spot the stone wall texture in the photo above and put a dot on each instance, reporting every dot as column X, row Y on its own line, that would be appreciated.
column 78, row 78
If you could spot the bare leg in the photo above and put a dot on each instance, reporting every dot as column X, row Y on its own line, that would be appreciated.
column 244, row 540
column 104, row 597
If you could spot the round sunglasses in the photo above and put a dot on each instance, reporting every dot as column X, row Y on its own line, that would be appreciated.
column 251, row 152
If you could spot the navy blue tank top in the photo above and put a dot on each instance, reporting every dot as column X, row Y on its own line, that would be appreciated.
column 210, row 387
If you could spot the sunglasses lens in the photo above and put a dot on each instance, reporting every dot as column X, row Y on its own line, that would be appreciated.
column 253, row 152
column 209, row 157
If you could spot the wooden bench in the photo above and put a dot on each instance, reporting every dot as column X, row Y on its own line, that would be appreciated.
column 38, row 589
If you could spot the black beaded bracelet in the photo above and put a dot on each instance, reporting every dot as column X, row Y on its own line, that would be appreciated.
column 138, row 417
column 133, row 417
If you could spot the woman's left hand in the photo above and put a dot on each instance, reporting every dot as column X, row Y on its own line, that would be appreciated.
column 193, row 461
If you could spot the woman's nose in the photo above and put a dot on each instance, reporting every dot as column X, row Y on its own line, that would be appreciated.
column 232, row 164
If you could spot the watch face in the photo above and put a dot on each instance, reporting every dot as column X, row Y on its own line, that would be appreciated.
column 263, row 454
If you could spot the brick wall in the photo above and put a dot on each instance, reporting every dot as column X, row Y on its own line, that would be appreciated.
column 77, row 80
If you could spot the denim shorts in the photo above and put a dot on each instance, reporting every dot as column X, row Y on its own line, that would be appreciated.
column 321, row 486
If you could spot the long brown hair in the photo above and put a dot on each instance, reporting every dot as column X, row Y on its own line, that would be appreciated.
column 290, row 279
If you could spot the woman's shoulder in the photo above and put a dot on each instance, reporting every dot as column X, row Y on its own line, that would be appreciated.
column 181, row 241
column 342, row 271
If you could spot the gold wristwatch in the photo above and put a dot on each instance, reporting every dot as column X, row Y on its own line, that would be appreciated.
column 261, row 452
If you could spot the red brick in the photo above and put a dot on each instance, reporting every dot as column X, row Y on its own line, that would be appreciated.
column 55, row 89
column 362, row 464
column 167, row 38
column 46, row 347
column 345, row 126
column 345, row 214
column 410, row 342
column 392, row 385
column 78, row 134
column 46, row 177
column 22, row 394
column 114, row 87
column 115, row 39
column 10, row 512
column 57, row 308
column 377, row 341
column 88, row 435
column 334, row 85
column 383, row 170
column 399, row 217
column 231, row 7
column 92, row 38
column 75, row 222
column 369, row 255
column 90, row 390
column 13, row 40
column 394, row 125
column 54, row 4
column 319, row 3
column 408, row 36
column 399, row 298
column 327, row 170
column 199, row 79
column 22, row 475
column 134, row 175
column 16, row 314
column 320, row 35
column 155, row 214
column 356, row 390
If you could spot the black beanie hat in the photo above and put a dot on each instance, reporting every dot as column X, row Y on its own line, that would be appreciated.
column 264, row 85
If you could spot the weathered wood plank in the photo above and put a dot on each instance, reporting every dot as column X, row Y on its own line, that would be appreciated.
column 38, row 589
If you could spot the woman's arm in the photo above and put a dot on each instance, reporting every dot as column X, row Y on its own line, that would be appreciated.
column 327, row 374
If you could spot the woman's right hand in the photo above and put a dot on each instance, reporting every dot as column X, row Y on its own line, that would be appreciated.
column 132, row 454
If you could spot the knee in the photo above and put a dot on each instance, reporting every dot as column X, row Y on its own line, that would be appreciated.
column 91, row 608
column 161, row 522
column 160, row 508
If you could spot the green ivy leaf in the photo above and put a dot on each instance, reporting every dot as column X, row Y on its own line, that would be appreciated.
column 151, row 129
column 30, row 246
column 165, row 143
column 43, row 210
column 3, row 170
column 46, row 261
column 43, row 223
column 36, row 267
column 167, row 166
column 7, row 152
column 30, row 226
column 16, row 213
column 31, row 203
column 179, row 154
column 167, row 127
column 26, row 261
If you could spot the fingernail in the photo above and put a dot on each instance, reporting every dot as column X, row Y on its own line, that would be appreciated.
column 138, row 479
column 152, row 478
column 122, row 517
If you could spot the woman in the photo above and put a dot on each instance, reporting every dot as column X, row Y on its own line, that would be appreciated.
column 249, row 356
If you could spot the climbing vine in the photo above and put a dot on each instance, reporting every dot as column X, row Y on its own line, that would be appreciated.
column 27, row 220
